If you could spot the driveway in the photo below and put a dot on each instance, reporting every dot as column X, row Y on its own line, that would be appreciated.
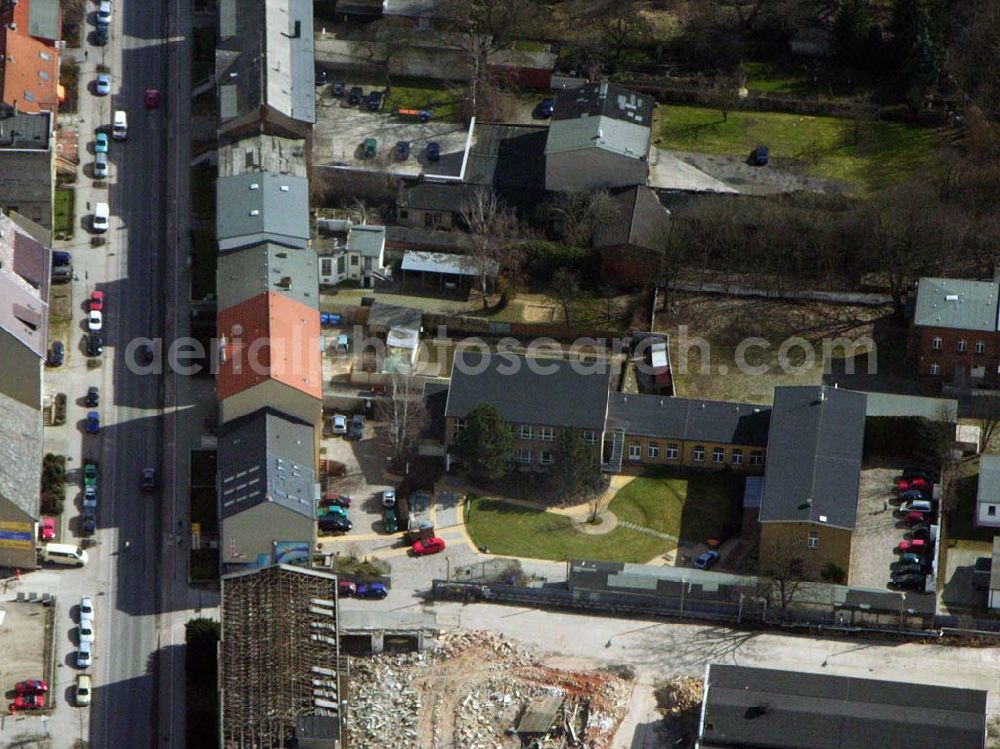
column 957, row 594
column 878, row 530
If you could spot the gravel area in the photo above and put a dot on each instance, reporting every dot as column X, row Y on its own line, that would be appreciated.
column 878, row 529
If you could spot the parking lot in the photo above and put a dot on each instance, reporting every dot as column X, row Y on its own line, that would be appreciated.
column 22, row 642
column 341, row 130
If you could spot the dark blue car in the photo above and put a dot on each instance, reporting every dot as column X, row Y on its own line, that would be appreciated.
column 544, row 108
column 760, row 156
column 372, row 590
column 93, row 422
column 433, row 151
column 912, row 495
column 403, row 150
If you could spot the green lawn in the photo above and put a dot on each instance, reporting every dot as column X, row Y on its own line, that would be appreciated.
column 806, row 79
column 869, row 155
column 415, row 93
column 517, row 531
column 62, row 218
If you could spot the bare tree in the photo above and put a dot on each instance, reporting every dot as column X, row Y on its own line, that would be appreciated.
column 406, row 414
column 726, row 94
column 575, row 216
column 621, row 27
column 564, row 290
column 489, row 223
column 783, row 566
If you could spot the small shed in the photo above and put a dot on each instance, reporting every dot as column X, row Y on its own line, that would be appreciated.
column 988, row 494
column 540, row 716
column 446, row 271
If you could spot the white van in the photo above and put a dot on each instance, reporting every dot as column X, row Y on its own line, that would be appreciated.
column 67, row 554
column 119, row 129
column 102, row 214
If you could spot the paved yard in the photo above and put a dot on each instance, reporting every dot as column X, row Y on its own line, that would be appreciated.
column 957, row 594
column 878, row 529
column 365, row 481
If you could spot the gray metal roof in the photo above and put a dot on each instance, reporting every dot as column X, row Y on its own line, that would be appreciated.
column 246, row 273
column 265, row 58
column 439, row 262
column 774, row 709
column 638, row 220
column 366, row 239
column 989, row 479
column 20, row 455
column 253, row 208
column 25, row 131
column 894, row 404
column 263, row 153
column 43, row 19
column 266, row 457
column 814, row 456
column 434, row 196
column 547, row 392
column 618, row 136
column 507, row 156
column 603, row 99
column 956, row 303
column 684, row 419
column 587, row 574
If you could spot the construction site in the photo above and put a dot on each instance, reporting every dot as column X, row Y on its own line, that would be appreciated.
column 477, row 690
column 281, row 672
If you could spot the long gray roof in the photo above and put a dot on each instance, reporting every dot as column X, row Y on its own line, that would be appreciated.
column 263, row 153
column 264, row 267
column 265, row 58
column 20, row 455
column 24, row 130
column 43, row 19
column 638, row 219
column 605, row 100
column 253, row 208
column 547, row 392
column 266, row 457
column 601, row 115
column 957, row 303
column 814, row 456
column 989, row 479
column 684, row 419
column 758, row 707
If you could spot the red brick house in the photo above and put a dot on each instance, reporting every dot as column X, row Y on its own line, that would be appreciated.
column 954, row 334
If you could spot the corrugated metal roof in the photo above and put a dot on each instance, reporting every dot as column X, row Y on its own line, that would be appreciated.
column 894, row 404
column 440, row 262
column 618, row 136
column 957, row 303
column 989, row 479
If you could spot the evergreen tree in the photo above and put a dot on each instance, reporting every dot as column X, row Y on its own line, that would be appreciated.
column 486, row 445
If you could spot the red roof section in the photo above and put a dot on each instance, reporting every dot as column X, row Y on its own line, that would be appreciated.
column 269, row 337
column 29, row 69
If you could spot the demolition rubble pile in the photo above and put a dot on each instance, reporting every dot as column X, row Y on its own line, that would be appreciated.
column 471, row 691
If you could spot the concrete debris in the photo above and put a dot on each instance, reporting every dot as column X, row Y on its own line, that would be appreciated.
column 470, row 692
column 679, row 696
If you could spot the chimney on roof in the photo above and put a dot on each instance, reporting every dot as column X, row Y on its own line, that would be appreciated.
column 285, row 282
column 297, row 32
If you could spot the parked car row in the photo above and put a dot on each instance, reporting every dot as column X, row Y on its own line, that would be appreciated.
column 348, row 589
column 331, row 514
column 352, row 430
column 916, row 507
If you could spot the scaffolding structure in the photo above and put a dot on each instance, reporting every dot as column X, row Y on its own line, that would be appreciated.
column 279, row 656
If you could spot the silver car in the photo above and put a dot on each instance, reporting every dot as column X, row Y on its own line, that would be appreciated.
column 83, row 659
column 101, row 166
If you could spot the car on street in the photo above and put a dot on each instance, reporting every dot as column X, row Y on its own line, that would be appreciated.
column 913, row 495
column 95, row 321
column 374, row 101
column 760, row 156
column 95, row 345
column 88, row 523
column 28, row 702
column 332, row 511
column 346, row 588
column 100, row 36
column 372, row 590
column 355, row 95
column 543, row 110
column 56, row 354
column 86, row 607
column 339, row 424
column 909, row 569
column 83, row 659
column 433, row 151
column 93, row 423
column 911, row 558
column 101, row 143
column 86, row 630
column 912, row 544
column 104, row 13
column 102, row 85
column 918, row 505
column 102, row 218
column 909, row 582
column 428, row 546
column 148, row 481
column 90, row 498
column 914, row 518
column 330, row 524
column 923, row 530
column 31, row 686
column 389, row 524
column 356, row 430
column 83, row 688
column 917, row 482
column 96, row 302
column 90, row 473
column 706, row 559
column 338, row 89
column 93, row 397
column 48, row 530
column 389, row 498
column 402, row 150
column 151, row 99
column 340, row 500
column 101, row 170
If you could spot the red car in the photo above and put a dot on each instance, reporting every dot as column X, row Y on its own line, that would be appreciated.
column 28, row 702
column 915, row 545
column 31, row 686
column 48, row 531
column 919, row 483
column 97, row 301
column 152, row 98
column 346, row 588
column 340, row 500
column 428, row 546
column 914, row 517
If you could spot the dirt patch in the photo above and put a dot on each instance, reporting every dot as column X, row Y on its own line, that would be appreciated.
column 22, row 641
column 470, row 691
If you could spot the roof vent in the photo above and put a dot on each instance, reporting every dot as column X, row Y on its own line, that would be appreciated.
column 284, row 188
column 822, row 518
column 951, row 298
column 254, row 186
column 285, row 282
column 254, row 212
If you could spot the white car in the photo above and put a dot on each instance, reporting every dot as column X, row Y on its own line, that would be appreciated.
column 389, row 498
column 95, row 321
column 86, row 630
column 83, row 659
column 86, row 608
column 339, row 424
column 102, row 217
column 104, row 13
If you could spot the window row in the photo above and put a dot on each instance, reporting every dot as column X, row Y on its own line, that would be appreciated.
column 962, row 346
column 525, row 456
column 698, row 453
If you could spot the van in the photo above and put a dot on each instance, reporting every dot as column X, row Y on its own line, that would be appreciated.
column 917, row 505
column 102, row 214
column 119, row 129
column 343, row 343
column 67, row 554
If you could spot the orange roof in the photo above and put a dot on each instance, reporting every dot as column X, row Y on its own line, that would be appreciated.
column 270, row 337
column 29, row 75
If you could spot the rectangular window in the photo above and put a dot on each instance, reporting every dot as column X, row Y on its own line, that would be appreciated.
column 368, row 265
column 459, row 425
column 699, row 454
column 737, row 457
column 673, row 450
column 404, row 214
column 545, row 458
column 936, row 369
column 354, row 260
column 980, row 347
column 523, row 455
column 936, row 343
column 813, row 540
column 634, row 451
column 546, row 434
column 326, row 266
column 341, row 265
column 718, row 455
column 653, row 449
column 757, row 458
column 590, row 437
column 961, row 346
column 991, row 511
column 525, row 432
